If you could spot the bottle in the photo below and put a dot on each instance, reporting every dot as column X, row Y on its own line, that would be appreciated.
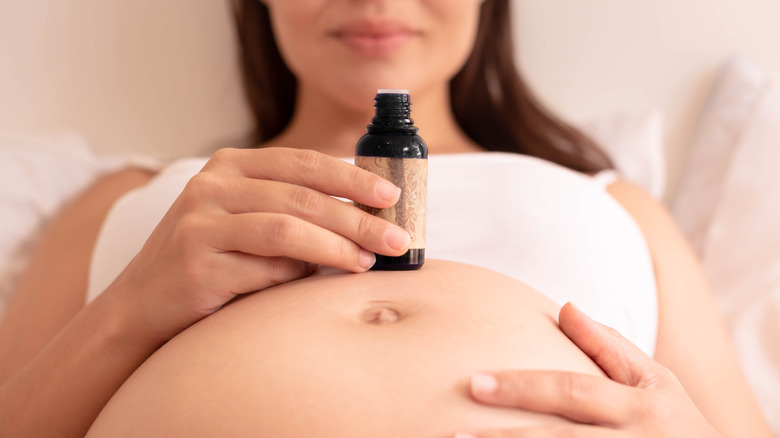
column 392, row 149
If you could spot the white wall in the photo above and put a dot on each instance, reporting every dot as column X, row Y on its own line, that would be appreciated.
column 593, row 57
column 151, row 76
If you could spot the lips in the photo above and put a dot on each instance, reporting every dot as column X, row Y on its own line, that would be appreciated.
column 374, row 38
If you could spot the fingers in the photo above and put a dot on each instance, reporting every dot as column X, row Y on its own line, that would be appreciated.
column 241, row 273
column 278, row 235
column 617, row 356
column 300, row 184
column 578, row 397
column 310, row 169
column 201, row 286
column 367, row 231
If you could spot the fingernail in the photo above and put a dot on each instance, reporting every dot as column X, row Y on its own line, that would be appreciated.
column 397, row 238
column 367, row 259
column 482, row 383
column 388, row 191
column 464, row 435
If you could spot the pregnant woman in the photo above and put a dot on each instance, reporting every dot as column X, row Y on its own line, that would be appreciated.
column 230, row 297
column 384, row 354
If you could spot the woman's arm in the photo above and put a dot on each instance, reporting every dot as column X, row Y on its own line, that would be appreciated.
column 249, row 220
column 53, row 287
column 642, row 399
column 65, row 387
column 695, row 371
column 692, row 339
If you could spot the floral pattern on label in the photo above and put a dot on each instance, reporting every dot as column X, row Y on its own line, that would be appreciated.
column 411, row 175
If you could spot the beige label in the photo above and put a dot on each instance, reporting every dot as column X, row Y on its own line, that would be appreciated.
column 411, row 175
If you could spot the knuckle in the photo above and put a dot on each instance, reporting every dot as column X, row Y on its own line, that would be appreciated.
column 223, row 155
column 614, row 333
column 284, row 230
column 307, row 203
column 220, row 159
column 203, row 185
column 190, row 228
column 667, row 375
column 344, row 252
column 645, row 405
column 309, row 160
column 365, row 224
column 663, row 377
column 279, row 270
column 575, row 388
column 358, row 177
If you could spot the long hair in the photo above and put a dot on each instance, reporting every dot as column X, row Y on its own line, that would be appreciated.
column 491, row 101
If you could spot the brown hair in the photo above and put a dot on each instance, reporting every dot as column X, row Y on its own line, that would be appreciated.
column 490, row 100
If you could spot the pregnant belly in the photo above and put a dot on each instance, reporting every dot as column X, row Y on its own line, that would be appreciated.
column 345, row 355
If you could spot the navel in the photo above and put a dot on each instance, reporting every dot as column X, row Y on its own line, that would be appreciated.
column 380, row 315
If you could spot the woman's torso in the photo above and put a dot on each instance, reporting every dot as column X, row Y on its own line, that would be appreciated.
column 551, row 228
column 347, row 355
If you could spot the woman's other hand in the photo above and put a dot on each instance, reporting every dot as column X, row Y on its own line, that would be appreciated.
column 642, row 399
column 252, row 219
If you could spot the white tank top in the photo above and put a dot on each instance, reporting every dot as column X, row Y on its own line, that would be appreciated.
column 552, row 228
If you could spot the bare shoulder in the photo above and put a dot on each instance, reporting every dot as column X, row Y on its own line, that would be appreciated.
column 630, row 195
column 693, row 341
column 85, row 213
column 74, row 230
column 654, row 219
column 113, row 185
column 78, row 222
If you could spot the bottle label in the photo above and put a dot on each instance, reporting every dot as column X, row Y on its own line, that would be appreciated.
column 411, row 175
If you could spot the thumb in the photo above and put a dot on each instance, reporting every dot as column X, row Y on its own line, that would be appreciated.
column 623, row 361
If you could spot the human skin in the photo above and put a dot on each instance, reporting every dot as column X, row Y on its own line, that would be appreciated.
column 63, row 387
column 626, row 404
column 338, row 354
column 341, row 52
column 256, row 217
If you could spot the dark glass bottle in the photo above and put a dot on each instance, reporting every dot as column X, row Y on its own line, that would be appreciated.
column 392, row 149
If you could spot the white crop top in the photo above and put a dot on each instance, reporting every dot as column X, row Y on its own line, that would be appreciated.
column 552, row 228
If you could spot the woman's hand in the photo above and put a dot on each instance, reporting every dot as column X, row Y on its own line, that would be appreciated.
column 643, row 399
column 252, row 219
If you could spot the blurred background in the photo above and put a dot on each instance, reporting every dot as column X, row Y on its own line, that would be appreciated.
column 161, row 77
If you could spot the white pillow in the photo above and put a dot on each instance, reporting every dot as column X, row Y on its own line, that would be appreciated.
column 730, row 205
column 729, row 107
column 38, row 174
column 634, row 141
